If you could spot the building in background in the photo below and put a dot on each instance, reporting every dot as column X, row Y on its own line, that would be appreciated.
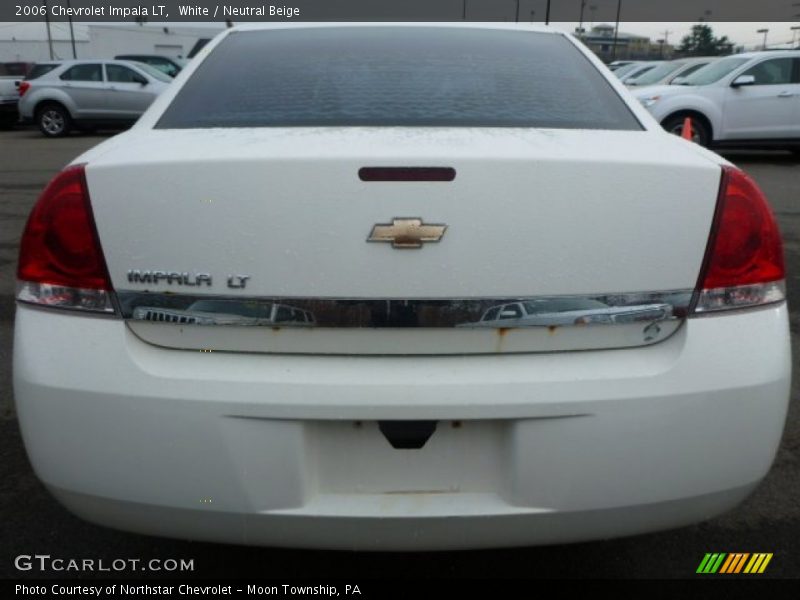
column 28, row 42
column 629, row 46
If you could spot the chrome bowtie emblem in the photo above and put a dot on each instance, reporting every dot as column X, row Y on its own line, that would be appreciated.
column 406, row 233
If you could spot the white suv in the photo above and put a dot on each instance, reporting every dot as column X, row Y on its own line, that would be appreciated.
column 88, row 94
column 750, row 99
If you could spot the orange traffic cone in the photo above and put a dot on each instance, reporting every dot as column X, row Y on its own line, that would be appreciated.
column 687, row 132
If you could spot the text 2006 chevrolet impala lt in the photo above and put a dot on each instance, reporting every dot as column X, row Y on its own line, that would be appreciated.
column 400, row 286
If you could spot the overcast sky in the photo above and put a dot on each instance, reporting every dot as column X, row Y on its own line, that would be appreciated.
column 740, row 33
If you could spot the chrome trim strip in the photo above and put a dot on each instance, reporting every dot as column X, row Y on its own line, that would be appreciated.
column 497, row 313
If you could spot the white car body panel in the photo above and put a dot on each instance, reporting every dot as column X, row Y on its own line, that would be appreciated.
column 762, row 111
column 530, row 177
column 707, row 100
column 551, row 448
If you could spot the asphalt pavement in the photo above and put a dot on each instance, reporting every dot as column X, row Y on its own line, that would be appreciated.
column 34, row 523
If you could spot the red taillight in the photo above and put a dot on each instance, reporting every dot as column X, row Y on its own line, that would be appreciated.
column 60, row 261
column 24, row 86
column 744, row 261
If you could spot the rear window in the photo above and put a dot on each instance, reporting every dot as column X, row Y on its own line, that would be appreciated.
column 162, row 65
column 14, row 69
column 155, row 73
column 39, row 70
column 397, row 76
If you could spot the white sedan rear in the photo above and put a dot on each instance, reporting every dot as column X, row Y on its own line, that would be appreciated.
column 365, row 205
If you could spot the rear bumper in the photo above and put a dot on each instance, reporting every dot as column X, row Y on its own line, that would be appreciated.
column 478, row 524
column 285, row 450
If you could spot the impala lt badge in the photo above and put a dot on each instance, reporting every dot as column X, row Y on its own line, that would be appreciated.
column 169, row 277
column 183, row 278
column 406, row 233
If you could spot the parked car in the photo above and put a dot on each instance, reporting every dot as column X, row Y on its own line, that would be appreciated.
column 636, row 70
column 11, row 73
column 12, row 86
column 622, row 70
column 40, row 68
column 227, row 312
column 166, row 64
column 750, row 99
column 18, row 69
column 89, row 94
column 198, row 46
column 546, row 312
column 274, row 170
column 668, row 72
column 9, row 97
column 617, row 64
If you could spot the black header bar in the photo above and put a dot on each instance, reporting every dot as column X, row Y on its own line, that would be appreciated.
column 239, row 11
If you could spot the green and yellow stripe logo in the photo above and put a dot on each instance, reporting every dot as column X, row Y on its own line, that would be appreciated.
column 734, row 563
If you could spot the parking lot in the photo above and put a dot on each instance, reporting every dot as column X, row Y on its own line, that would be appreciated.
column 35, row 524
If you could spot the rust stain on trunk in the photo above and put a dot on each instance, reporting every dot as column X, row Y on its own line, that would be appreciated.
column 502, row 332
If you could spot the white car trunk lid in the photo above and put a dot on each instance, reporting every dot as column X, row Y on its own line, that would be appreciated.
column 529, row 214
